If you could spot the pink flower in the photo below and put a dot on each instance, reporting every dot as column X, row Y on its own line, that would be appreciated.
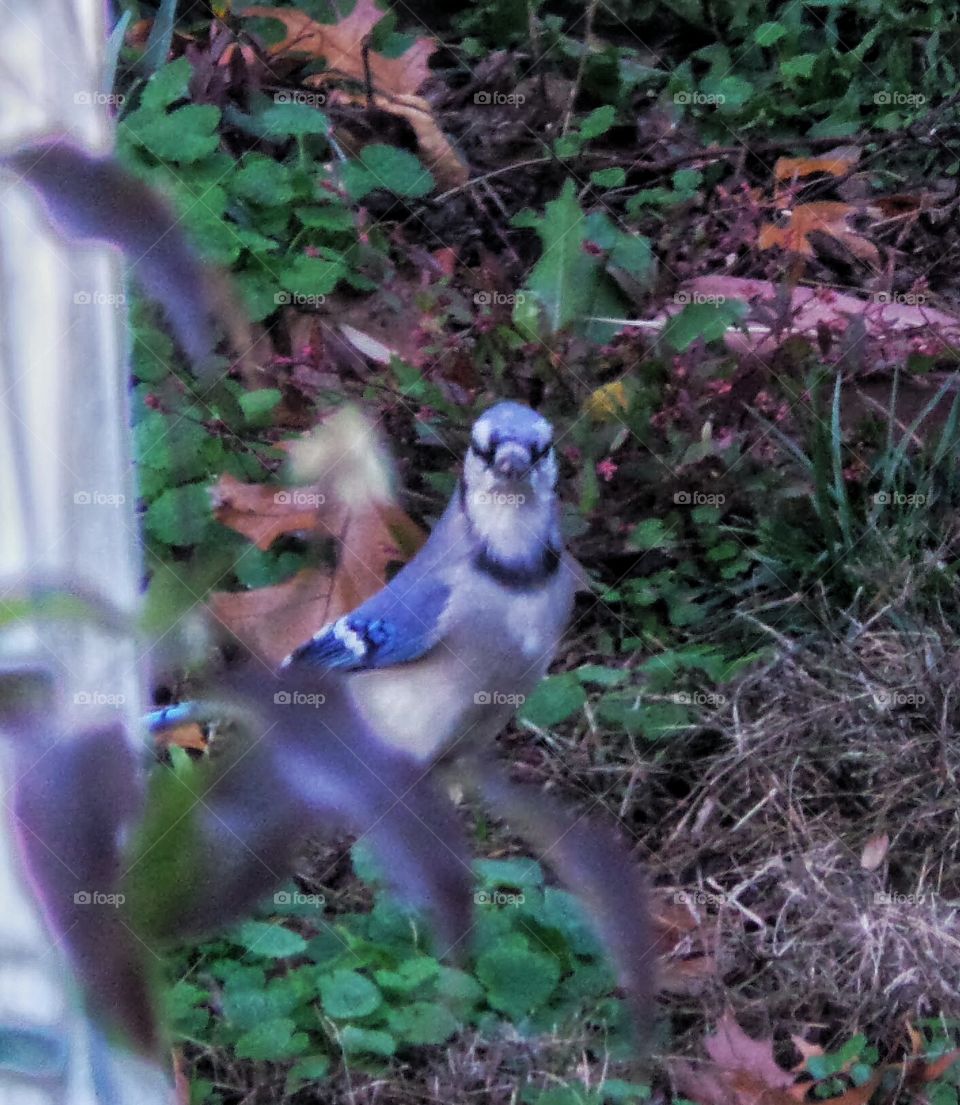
column 606, row 469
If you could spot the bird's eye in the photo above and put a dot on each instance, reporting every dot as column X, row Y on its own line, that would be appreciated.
column 486, row 455
column 538, row 452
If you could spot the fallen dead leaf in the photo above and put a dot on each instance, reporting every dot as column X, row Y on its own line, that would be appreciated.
column 837, row 162
column 394, row 82
column 349, row 500
column 684, row 948
column 435, row 150
column 341, row 46
column 892, row 324
column 926, row 1071
column 730, row 1047
column 743, row 1071
column 607, row 402
column 263, row 512
column 825, row 217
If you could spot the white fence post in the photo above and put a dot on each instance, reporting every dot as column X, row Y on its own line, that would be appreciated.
column 67, row 511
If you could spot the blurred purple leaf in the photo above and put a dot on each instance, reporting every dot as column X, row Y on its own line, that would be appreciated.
column 91, row 198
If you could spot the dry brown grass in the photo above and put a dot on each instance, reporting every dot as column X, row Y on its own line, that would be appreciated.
column 809, row 759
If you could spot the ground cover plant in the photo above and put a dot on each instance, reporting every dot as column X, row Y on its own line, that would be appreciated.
column 716, row 244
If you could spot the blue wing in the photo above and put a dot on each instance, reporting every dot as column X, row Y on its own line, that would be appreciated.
column 396, row 625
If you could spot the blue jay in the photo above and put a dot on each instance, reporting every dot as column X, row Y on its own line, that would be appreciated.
column 450, row 647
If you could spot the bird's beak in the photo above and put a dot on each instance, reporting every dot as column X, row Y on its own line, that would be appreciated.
column 512, row 460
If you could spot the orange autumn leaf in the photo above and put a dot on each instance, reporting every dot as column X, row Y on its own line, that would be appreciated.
column 837, row 162
column 341, row 46
column 348, row 499
column 926, row 1071
column 272, row 621
column 394, row 81
column 825, row 217
column 263, row 512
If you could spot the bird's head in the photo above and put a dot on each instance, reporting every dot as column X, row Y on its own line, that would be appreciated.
column 511, row 452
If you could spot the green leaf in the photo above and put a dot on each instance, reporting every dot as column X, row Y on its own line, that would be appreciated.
column 509, row 872
column 651, row 533
column 599, row 676
column 372, row 1041
column 564, row 281
column 180, row 516
column 631, row 252
column 386, row 167
column 615, row 1090
column 311, row 1068
column 262, row 180
column 327, row 216
column 598, row 122
column 183, row 1006
column 799, row 66
column 518, row 981
column 312, row 276
column 185, row 135
column 153, row 358
column 459, row 991
column 272, row 1040
column 422, row 1022
column 166, row 86
column 568, row 145
column 270, row 941
column 608, row 178
column 248, row 999
column 709, row 321
column 769, row 33
column 554, row 700
column 293, row 119
column 347, row 993
column 258, row 405
column 731, row 92
column 411, row 975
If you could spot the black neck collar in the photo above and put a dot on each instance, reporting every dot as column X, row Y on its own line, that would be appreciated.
column 518, row 575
